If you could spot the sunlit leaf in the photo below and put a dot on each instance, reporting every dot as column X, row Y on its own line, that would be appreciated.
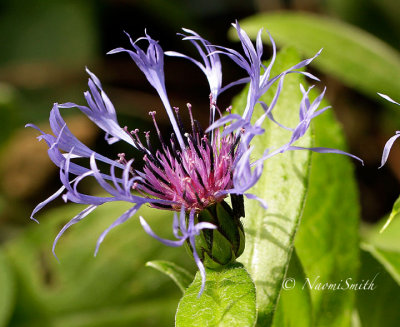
column 228, row 300
column 327, row 240
column 270, row 233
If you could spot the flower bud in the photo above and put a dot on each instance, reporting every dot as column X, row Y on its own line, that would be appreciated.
column 223, row 245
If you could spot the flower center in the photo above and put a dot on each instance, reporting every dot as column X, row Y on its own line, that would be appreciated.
column 195, row 177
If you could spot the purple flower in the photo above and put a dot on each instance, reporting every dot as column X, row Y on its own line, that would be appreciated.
column 192, row 171
column 390, row 142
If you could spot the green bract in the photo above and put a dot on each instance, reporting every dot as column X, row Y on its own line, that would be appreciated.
column 221, row 246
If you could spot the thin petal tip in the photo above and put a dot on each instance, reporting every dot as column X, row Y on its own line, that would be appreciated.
column 55, row 256
column 34, row 219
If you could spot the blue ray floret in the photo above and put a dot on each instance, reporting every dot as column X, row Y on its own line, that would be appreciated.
column 390, row 142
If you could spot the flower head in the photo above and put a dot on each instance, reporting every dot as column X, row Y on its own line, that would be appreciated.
column 193, row 170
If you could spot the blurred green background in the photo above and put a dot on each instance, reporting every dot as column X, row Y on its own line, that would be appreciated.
column 45, row 46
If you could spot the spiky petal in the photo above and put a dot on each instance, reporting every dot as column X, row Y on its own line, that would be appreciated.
column 390, row 142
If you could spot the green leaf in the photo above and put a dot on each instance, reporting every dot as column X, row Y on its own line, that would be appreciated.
column 294, row 300
column 395, row 212
column 380, row 306
column 179, row 275
column 7, row 287
column 113, row 289
column 357, row 58
column 387, row 240
column 390, row 260
column 229, row 299
column 270, row 233
column 327, row 240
